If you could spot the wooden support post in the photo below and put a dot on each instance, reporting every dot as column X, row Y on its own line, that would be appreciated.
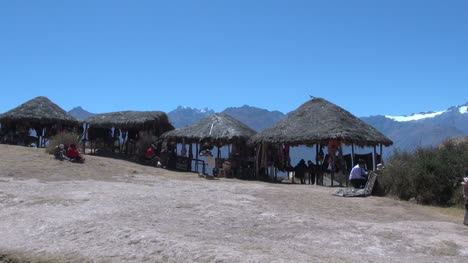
column 317, row 164
column 375, row 158
column 352, row 162
column 310, row 174
column 257, row 159
column 85, row 134
column 190, row 156
column 381, row 155
column 332, row 157
column 196, row 157
column 42, row 138
column 340, row 156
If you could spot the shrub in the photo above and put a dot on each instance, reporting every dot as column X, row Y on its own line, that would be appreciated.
column 65, row 138
column 431, row 175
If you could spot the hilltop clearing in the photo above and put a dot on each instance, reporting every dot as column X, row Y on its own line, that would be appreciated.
column 111, row 210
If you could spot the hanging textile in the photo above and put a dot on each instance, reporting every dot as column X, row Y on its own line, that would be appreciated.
column 190, row 155
column 183, row 152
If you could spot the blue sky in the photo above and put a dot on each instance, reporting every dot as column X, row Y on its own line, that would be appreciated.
column 370, row 57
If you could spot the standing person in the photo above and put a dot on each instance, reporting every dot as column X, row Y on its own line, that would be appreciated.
column 465, row 197
column 311, row 168
column 300, row 170
column 74, row 155
column 358, row 175
column 211, row 162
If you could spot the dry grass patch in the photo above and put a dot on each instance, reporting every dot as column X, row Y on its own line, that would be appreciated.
column 447, row 248
column 452, row 212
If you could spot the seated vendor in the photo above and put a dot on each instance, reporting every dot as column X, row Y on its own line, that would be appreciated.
column 358, row 175
column 74, row 155
column 150, row 152
column 150, row 155
column 60, row 153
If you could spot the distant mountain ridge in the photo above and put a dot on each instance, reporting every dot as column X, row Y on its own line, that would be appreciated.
column 424, row 129
column 256, row 118
column 79, row 113
column 183, row 116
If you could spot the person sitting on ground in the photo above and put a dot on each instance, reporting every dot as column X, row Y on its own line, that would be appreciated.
column 74, row 155
column 300, row 170
column 60, row 153
column 150, row 152
column 358, row 175
column 150, row 155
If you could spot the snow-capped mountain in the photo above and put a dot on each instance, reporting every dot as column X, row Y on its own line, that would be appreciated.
column 415, row 117
column 422, row 129
column 184, row 115
column 463, row 109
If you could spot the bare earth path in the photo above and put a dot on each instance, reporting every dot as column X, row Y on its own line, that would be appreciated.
column 114, row 211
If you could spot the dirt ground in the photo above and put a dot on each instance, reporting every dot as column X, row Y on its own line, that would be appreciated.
column 110, row 210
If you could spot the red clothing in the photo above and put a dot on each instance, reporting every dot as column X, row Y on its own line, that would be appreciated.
column 149, row 153
column 72, row 153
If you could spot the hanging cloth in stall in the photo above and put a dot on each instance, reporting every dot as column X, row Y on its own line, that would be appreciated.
column 190, row 155
column 183, row 152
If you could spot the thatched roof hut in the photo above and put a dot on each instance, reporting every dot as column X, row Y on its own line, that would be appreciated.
column 38, row 111
column 218, row 128
column 137, row 120
column 318, row 121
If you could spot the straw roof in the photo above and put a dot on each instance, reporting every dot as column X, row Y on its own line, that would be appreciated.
column 217, row 128
column 318, row 121
column 130, row 120
column 39, row 110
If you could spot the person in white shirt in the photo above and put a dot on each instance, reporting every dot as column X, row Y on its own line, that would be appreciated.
column 358, row 175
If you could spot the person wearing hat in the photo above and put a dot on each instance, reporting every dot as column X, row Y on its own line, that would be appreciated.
column 358, row 175
column 59, row 152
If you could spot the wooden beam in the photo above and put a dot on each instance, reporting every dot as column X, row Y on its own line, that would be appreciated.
column 319, row 163
column 381, row 155
column 196, row 162
column 375, row 158
column 85, row 133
